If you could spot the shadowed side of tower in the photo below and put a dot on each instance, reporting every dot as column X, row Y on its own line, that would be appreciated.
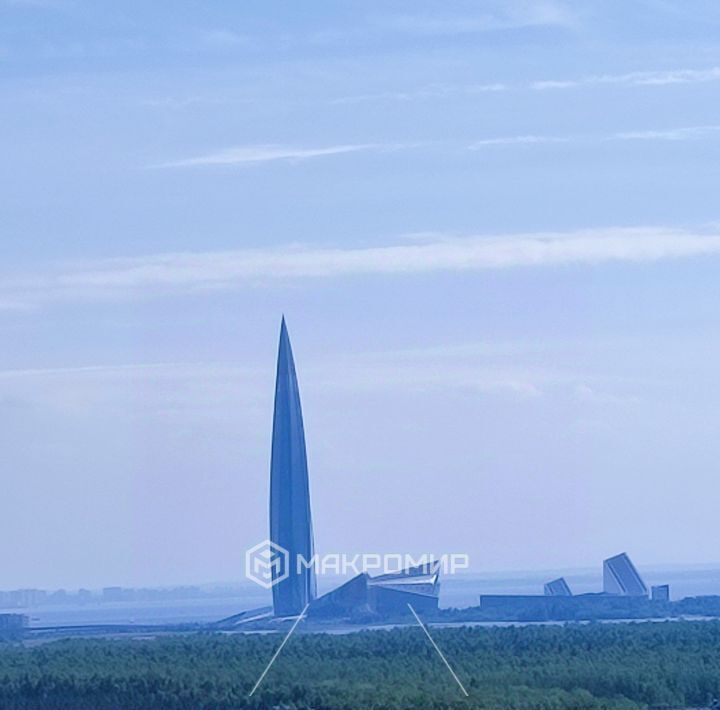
column 290, row 518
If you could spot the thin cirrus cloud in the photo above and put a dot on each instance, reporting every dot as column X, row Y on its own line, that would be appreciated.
column 249, row 155
column 190, row 387
column 672, row 134
column 630, row 79
column 640, row 78
column 684, row 133
column 519, row 140
column 212, row 271
column 431, row 91
column 268, row 153
column 495, row 16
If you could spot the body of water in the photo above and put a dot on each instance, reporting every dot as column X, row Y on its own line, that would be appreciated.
column 461, row 590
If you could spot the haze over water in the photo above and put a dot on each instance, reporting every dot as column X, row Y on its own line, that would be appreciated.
column 459, row 591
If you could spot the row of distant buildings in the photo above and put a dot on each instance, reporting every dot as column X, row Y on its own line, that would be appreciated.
column 33, row 598
column 620, row 577
column 294, row 587
column 623, row 587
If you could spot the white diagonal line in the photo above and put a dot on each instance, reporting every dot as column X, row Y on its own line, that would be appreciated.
column 440, row 653
column 280, row 648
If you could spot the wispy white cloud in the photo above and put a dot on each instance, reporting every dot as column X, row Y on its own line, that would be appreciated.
column 630, row 79
column 591, row 395
column 218, row 383
column 683, row 133
column 183, row 102
column 223, row 39
column 672, row 134
column 258, row 154
column 641, row 78
column 161, row 388
column 268, row 153
column 506, row 15
column 431, row 91
column 193, row 272
column 118, row 370
column 51, row 4
column 173, row 387
column 519, row 140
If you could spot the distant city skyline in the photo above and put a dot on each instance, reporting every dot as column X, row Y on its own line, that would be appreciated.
column 494, row 233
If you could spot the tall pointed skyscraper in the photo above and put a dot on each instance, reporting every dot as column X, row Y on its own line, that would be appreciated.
column 290, row 519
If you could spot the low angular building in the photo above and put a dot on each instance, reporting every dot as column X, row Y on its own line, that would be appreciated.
column 621, row 578
column 558, row 588
column 418, row 586
column 350, row 599
column 384, row 595
column 660, row 593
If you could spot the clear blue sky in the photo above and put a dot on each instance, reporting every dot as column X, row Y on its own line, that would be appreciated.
column 493, row 228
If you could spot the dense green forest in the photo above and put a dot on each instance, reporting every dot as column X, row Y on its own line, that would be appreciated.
column 612, row 666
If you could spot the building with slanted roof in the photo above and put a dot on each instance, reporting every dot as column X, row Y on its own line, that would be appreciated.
column 387, row 594
column 557, row 588
column 621, row 577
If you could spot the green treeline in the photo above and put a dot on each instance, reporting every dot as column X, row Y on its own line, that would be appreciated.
column 612, row 666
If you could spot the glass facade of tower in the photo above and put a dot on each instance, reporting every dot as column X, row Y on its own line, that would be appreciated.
column 621, row 577
column 290, row 519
